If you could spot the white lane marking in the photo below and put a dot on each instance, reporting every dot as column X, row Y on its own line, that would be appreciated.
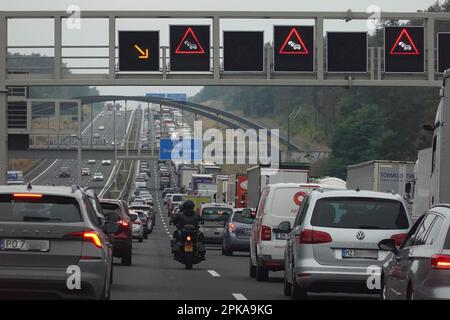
column 239, row 296
column 213, row 273
column 43, row 172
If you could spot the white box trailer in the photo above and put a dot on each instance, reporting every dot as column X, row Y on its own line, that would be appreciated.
column 422, row 179
column 260, row 176
column 382, row 176
column 185, row 176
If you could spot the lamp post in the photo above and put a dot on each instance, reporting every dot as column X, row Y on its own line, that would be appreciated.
column 292, row 115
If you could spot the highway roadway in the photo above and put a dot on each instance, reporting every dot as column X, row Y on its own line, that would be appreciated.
column 155, row 275
column 47, row 173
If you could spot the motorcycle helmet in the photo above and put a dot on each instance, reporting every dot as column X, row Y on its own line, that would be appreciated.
column 188, row 205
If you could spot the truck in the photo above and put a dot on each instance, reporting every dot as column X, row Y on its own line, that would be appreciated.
column 185, row 176
column 383, row 176
column 262, row 175
column 222, row 187
column 200, row 178
column 207, row 189
column 15, row 177
column 237, row 190
column 198, row 200
column 207, row 168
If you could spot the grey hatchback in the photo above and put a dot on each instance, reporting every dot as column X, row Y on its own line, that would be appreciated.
column 236, row 235
column 420, row 268
column 52, row 243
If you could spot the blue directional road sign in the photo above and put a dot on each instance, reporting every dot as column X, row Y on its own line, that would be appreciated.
column 181, row 149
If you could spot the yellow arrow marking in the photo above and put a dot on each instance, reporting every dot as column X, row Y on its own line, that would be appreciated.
column 144, row 54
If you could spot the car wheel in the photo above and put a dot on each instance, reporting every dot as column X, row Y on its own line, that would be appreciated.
column 252, row 269
column 127, row 259
column 410, row 292
column 262, row 274
column 228, row 252
column 297, row 293
column 223, row 250
column 146, row 235
column 141, row 240
column 287, row 286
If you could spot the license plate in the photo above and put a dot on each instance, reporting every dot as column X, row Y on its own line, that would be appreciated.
column 24, row 245
column 281, row 236
column 188, row 247
column 359, row 253
column 248, row 231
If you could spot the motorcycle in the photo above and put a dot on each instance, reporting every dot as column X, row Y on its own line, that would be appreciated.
column 187, row 250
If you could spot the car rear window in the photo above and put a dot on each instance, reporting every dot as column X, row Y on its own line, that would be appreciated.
column 111, row 207
column 216, row 214
column 244, row 216
column 359, row 213
column 447, row 241
column 177, row 198
column 39, row 209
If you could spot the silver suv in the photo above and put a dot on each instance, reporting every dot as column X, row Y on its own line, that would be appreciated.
column 333, row 243
column 54, row 243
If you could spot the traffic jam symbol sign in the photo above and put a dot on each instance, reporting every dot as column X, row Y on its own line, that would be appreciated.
column 404, row 49
column 298, row 197
column 190, row 48
column 404, row 45
column 189, row 44
column 293, row 48
column 294, row 44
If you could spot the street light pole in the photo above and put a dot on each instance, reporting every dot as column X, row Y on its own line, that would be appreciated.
column 80, row 141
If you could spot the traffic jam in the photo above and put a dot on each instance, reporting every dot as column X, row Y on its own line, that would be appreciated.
column 312, row 235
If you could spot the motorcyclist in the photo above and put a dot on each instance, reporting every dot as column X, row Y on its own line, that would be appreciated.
column 187, row 216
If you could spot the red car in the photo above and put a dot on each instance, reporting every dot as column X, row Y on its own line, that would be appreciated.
column 122, row 240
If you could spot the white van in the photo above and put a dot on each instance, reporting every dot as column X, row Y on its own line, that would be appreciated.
column 278, row 202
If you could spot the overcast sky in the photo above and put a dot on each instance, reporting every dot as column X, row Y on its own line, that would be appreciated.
column 95, row 32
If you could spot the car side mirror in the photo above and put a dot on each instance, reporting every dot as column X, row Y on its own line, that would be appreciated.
column 111, row 227
column 388, row 245
column 284, row 227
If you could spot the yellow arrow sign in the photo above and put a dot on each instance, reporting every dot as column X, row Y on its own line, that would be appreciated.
column 143, row 54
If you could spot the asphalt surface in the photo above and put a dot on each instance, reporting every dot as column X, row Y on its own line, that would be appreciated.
column 155, row 275
column 47, row 172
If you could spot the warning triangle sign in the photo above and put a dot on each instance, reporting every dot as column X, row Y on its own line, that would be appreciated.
column 189, row 44
column 404, row 45
column 294, row 44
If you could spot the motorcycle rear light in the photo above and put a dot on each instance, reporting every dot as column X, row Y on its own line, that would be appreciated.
column 308, row 236
column 399, row 238
column 440, row 261
column 123, row 223
column 266, row 233
column 88, row 235
column 188, row 238
column 232, row 227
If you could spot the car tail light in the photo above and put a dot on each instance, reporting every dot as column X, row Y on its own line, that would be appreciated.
column 27, row 195
column 440, row 261
column 308, row 236
column 88, row 235
column 232, row 227
column 123, row 223
column 399, row 238
column 266, row 233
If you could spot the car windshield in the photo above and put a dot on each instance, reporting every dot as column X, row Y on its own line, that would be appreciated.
column 216, row 213
column 447, row 242
column 244, row 216
column 359, row 213
column 39, row 209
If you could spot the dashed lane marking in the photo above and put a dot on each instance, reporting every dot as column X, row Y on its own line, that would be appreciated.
column 213, row 273
column 239, row 296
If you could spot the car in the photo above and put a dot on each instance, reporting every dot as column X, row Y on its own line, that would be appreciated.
column 67, row 232
column 106, row 162
column 332, row 245
column 122, row 240
column 164, row 182
column 98, row 176
column 101, row 128
column 140, row 179
column 144, row 175
column 137, row 225
column 420, row 268
column 214, row 216
column 64, row 172
column 175, row 200
column 278, row 202
column 167, row 198
column 148, row 219
column 92, row 161
column 236, row 235
column 85, row 172
column 97, row 135
column 166, row 191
